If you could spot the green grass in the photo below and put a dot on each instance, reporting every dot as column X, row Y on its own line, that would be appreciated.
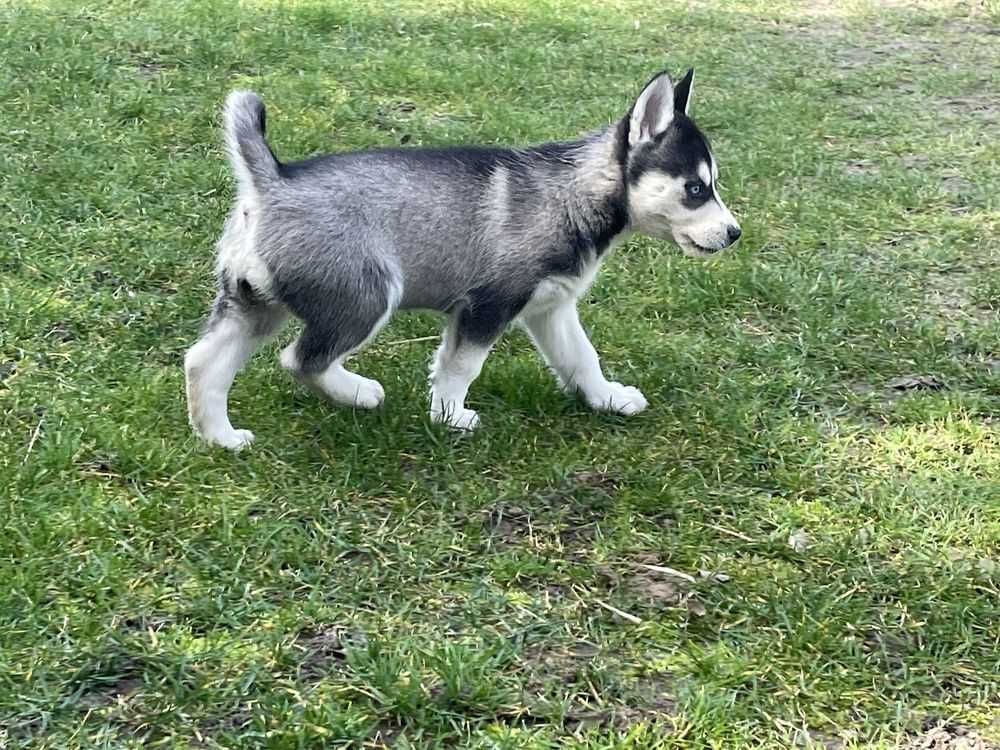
column 364, row 579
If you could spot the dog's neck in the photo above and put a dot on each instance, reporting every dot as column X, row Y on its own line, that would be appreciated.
column 597, row 202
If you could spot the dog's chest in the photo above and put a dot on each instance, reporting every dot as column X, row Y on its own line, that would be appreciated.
column 555, row 291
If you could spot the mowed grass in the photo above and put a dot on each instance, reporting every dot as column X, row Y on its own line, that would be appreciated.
column 368, row 580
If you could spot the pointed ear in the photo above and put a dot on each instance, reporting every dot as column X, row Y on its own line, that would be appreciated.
column 652, row 111
column 682, row 92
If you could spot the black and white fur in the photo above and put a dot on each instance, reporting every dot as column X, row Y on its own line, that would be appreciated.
column 487, row 236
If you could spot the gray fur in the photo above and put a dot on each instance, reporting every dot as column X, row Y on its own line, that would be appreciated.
column 456, row 231
column 342, row 241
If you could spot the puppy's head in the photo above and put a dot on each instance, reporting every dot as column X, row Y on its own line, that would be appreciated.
column 671, row 173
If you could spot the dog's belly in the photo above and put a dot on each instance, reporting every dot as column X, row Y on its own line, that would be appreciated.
column 437, row 290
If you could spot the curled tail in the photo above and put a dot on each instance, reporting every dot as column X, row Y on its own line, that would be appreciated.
column 253, row 161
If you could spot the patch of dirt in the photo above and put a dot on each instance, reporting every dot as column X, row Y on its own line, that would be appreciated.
column 754, row 326
column 656, row 589
column 142, row 623
column 116, row 692
column 554, row 675
column 657, row 593
column 507, row 523
column 324, row 648
column 856, row 47
column 102, row 277
column 60, row 332
column 937, row 735
column 862, row 167
column 650, row 700
column 656, row 690
column 597, row 479
column 914, row 161
column 238, row 719
column 963, row 194
column 897, row 387
column 100, row 466
column 892, row 647
column 391, row 114
column 566, row 516
column 106, row 678
column 981, row 106
column 955, row 184
column 916, row 383
column 949, row 297
column 145, row 63
column 563, row 664
column 560, row 685
column 149, row 70
column 385, row 736
column 622, row 717
column 992, row 364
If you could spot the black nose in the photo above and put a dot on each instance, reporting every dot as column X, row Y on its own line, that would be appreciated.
column 734, row 234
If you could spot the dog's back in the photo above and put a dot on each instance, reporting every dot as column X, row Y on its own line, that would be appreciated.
column 410, row 210
column 445, row 220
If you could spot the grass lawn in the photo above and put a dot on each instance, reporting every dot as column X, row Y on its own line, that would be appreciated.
column 820, row 459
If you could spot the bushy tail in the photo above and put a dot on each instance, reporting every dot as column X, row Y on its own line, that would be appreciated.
column 253, row 161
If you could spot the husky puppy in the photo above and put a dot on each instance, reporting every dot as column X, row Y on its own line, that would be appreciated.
column 487, row 236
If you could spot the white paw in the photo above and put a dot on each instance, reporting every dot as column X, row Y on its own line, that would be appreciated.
column 348, row 388
column 369, row 394
column 461, row 419
column 234, row 440
column 288, row 360
column 618, row 399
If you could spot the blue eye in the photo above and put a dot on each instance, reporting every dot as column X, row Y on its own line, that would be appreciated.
column 695, row 189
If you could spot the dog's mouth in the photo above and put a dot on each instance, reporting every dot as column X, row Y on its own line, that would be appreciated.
column 703, row 249
column 690, row 247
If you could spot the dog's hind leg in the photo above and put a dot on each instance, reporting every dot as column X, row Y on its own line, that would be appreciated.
column 466, row 343
column 337, row 383
column 335, row 329
column 454, row 369
column 237, row 327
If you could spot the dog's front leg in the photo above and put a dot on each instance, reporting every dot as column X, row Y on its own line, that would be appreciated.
column 564, row 345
